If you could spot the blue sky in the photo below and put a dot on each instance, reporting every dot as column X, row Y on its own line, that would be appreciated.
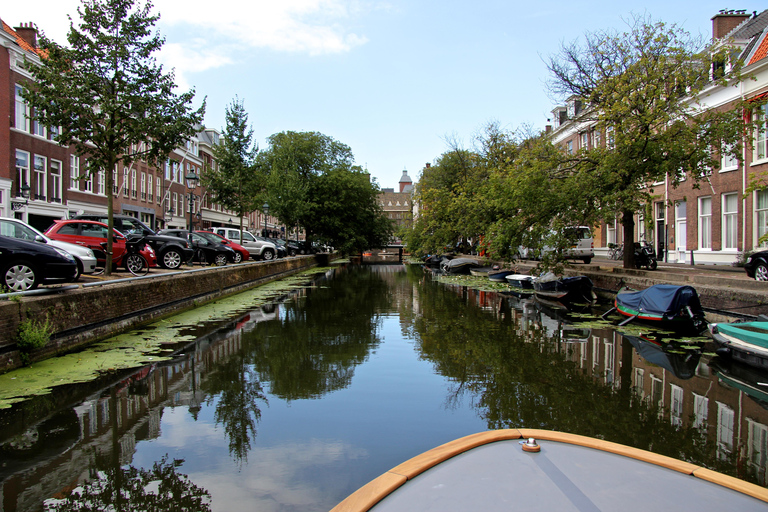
column 393, row 79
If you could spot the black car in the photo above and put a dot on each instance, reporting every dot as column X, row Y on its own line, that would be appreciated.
column 205, row 250
column 757, row 266
column 171, row 251
column 282, row 250
column 292, row 248
column 26, row 264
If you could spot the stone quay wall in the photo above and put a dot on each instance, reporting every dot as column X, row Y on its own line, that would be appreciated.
column 87, row 314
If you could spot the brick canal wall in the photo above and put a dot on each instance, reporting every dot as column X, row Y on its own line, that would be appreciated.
column 84, row 315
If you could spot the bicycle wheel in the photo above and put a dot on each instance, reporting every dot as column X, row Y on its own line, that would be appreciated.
column 137, row 264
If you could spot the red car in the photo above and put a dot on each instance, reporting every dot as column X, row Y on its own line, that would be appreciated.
column 241, row 253
column 92, row 234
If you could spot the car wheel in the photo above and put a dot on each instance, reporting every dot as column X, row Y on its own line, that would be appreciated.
column 293, row 252
column 268, row 254
column 238, row 257
column 79, row 269
column 761, row 272
column 220, row 260
column 587, row 261
column 20, row 276
column 172, row 259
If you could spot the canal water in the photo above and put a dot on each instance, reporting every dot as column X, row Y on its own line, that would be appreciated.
column 292, row 403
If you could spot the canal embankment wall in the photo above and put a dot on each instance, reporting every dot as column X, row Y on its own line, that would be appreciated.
column 83, row 315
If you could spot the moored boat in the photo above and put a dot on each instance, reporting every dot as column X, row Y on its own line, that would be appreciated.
column 565, row 289
column 520, row 282
column 500, row 276
column 664, row 306
column 483, row 271
column 458, row 265
column 529, row 469
column 746, row 342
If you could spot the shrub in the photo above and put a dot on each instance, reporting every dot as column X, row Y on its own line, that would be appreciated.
column 32, row 336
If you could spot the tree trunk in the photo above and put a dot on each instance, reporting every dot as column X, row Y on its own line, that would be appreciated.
column 109, row 185
column 628, row 223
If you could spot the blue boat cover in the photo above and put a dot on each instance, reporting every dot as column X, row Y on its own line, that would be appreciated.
column 661, row 299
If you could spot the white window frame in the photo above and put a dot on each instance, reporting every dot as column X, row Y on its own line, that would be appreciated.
column 676, row 405
column 585, row 141
column 760, row 142
column 730, row 221
column 761, row 215
column 22, row 169
column 102, row 186
column 134, row 188
column 159, row 190
column 700, row 411
column 55, row 169
column 726, row 421
column 705, row 223
column 728, row 162
column 126, row 172
column 74, row 172
column 88, row 180
column 41, row 178
column 22, row 114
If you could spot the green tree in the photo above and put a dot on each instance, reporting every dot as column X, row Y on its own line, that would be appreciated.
column 235, row 182
column 111, row 100
column 643, row 89
column 313, row 184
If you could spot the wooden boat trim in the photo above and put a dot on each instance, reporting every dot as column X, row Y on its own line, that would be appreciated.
column 374, row 491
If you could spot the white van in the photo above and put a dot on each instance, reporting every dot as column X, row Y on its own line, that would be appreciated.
column 582, row 249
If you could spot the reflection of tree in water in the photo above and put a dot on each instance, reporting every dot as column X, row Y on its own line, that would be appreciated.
column 313, row 349
column 237, row 391
column 112, row 487
column 526, row 380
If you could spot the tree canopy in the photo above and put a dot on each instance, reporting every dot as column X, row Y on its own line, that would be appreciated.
column 235, row 182
column 312, row 183
column 105, row 93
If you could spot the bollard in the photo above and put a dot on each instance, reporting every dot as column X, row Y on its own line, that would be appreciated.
column 692, row 263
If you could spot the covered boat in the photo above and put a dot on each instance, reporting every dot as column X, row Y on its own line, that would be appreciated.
column 565, row 289
column 520, row 282
column 746, row 342
column 740, row 376
column 500, row 276
column 664, row 306
column 458, row 265
column 529, row 469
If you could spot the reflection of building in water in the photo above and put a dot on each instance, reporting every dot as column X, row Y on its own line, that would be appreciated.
column 112, row 421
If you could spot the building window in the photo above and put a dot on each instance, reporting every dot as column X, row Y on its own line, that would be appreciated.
column 102, row 177
column 761, row 211
column 700, row 411
column 115, row 182
column 167, row 169
column 569, row 147
column 74, row 172
column 88, row 181
column 22, row 111
column 610, row 138
column 125, row 182
column 133, row 184
column 159, row 190
column 585, row 141
column 730, row 221
column 175, row 204
column 676, row 407
column 725, row 423
column 22, row 169
column 595, row 139
column 728, row 162
column 40, row 185
column 150, row 181
column 705, row 223
column 55, row 170
column 757, row 448
column 760, row 149
column 143, row 186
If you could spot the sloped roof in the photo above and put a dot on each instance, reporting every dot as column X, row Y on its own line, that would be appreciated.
column 751, row 27
column 19, row 40
column 761, row 48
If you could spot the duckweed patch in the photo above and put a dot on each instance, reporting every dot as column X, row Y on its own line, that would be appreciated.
column 147, row 345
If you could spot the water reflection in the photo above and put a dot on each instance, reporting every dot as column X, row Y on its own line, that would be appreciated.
column 295, row 404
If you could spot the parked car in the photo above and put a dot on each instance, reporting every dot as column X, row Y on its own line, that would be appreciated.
column 241, row 253
column 205, row 250
column 84, row 257
column 93, row 235
column 291, row 247
column 171, row 251
column 582, row 247
column 282, row 252
column 258, row 248
column 757, row 266
column 26, row 264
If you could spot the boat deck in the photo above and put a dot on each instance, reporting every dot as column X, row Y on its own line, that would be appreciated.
column 491, row 472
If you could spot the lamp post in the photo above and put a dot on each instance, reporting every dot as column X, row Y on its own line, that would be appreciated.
column 192, row 179
column 25, row 193
column 265, row 209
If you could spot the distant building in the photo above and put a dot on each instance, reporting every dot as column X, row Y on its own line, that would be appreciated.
column 398, row 206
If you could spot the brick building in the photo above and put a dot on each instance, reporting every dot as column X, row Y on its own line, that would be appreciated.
column 714, row 221
column 398, row 205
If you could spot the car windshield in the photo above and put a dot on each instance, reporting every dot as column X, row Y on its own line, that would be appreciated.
column 134, row 226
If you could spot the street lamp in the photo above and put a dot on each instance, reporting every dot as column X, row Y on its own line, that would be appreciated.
column 192, row 179
column 25, row 193
column 265, row 209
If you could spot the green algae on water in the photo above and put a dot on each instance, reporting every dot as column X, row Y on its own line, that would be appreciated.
column 146, row 345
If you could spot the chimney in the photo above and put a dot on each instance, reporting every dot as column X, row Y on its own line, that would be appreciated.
column 727, row 20
column 28, row 33
column 548, row 128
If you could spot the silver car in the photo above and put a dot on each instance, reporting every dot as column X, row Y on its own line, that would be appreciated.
column 86, row 261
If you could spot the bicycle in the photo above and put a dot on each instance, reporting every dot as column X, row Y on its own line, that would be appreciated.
column 616, row 251
column 134, row 261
